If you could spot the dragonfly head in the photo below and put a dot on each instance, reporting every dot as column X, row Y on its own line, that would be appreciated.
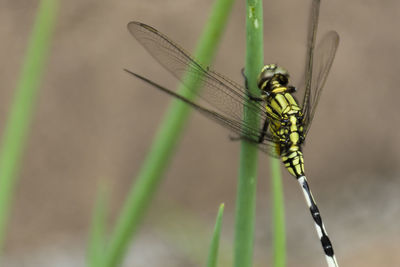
column 269, row 73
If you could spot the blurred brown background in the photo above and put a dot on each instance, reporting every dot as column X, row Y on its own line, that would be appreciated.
column 93, row 121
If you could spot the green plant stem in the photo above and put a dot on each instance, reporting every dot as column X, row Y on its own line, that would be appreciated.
column 278, row 215
column 17, row 127
column 162, row 148
column 246, row 196
column 213, row 254
column 97, row 237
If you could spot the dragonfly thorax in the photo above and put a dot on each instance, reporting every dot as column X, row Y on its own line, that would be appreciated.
column 272, row 77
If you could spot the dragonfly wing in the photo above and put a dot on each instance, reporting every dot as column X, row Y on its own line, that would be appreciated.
column 222, row 94
column 312, row 34
column 323, row 59
column 235, row 126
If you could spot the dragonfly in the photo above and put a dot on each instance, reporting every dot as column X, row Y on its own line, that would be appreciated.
column 285, row 121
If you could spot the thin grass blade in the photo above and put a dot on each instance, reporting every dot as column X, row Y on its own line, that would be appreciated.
column 17, row 126
column 278, row 215
column 214, row 247
column 97, row 236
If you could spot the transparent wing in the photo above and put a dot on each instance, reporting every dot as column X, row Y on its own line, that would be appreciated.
column 323, row 59
column 312, row 33
column 226, row 97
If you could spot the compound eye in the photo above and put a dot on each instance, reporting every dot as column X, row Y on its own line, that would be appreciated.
column 283, row 79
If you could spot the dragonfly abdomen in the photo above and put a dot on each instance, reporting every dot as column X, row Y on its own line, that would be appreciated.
column 290, row 146
column 294, row 162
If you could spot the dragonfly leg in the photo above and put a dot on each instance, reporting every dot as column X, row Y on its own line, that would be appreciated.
column 246, row 84
column 246, row 138
column 292, row 89
column 263, row 131
column 243, row 137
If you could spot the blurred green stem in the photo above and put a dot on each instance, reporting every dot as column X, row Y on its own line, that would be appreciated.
column 97, row 237
column 17, row 127
column 278, row 215
column 213, row 254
